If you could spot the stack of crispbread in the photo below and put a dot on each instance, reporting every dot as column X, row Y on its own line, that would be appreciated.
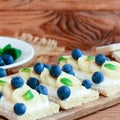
column 112, row 50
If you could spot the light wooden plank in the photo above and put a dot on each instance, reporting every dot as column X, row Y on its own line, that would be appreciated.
column 85, row 30
column 86, row 109
column 60, row 5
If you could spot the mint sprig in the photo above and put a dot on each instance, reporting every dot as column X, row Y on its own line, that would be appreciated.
column 66, row 81
column 25, row 69
column 90, row 57
column 28, row 95
column 16, row 53
column 62, row 59
column 110, row 66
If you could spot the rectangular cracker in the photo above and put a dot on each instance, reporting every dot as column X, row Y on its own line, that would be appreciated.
column 116, row 55
column 108, row 49
column 108, row 91
column 9, row 114
column 73, row 102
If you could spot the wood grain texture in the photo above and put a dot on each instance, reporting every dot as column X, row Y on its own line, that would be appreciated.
column 60, row 5
column 82, row 29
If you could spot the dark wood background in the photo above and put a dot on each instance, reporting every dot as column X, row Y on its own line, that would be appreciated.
column 73, row 23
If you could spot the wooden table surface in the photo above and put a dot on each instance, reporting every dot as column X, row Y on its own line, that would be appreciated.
column 73, row 23
column 112, row 113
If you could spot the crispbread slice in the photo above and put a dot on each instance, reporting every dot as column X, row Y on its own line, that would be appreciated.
column 109, row 90
column 108, row 49
column 116, row 55
column 7, row 112
column 73, row 102
column 103, row 90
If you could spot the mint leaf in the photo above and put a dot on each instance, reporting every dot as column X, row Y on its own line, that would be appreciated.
column 28, row 95
column 110, row 66
column 62, row 59
column 1, row 51
column 26, row 69
column 90, row 57
column 16, row 53
column 66, row 81
column 3, row 83
column 7, row 47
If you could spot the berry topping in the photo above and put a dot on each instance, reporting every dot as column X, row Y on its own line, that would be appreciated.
column 2, row 72
column 19, row 108
column 55, row 71
column 41, row 89
column 47, row 66
column 87, row 83
column 67, row 68
column 76, row 53
column 17, row 82
column 107, row 59
column 100, row 59
column 32, row 82
column 8, row 59
column 66, row 81
column 0, row 95
column 38, row 68
column 97, row 77
column 72, row 73
column 28, row 95
column 2, row 63
column 63, row 92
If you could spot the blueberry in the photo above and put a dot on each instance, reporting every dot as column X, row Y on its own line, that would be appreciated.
column 0, row 95
column 67, row 68
column 63, row 92
column 71, row 72
column 100, row 59
column 2, row 72
column 87, row 83
column 76, row 53
column 41, row 89
column 32, row 82
column 8, row 59
column 107, row 59
column 55, row 71
column 1, row 61
column 47, row 66
column 17, row 82
column 97, row 77
column 38, row 68
column 19, row 108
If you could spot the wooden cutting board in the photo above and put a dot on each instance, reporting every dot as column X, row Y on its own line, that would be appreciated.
column 86, row 109
column 83, row 110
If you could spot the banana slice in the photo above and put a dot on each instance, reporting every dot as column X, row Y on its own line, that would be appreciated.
column 25, row 73
column 67, row 79
column 73, row 62
column 4, row 81
column 18, row 95
column 47, row 79
column 7, row 91
column 69, row 60
column 33, row 74
column 84, row 64
column 111, row 69
column 93, row 66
